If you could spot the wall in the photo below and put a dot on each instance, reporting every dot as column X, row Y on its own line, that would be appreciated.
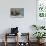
column 24, row 24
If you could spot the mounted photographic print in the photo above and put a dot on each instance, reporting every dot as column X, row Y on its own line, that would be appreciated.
column 17, row 12
column 41, row 8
